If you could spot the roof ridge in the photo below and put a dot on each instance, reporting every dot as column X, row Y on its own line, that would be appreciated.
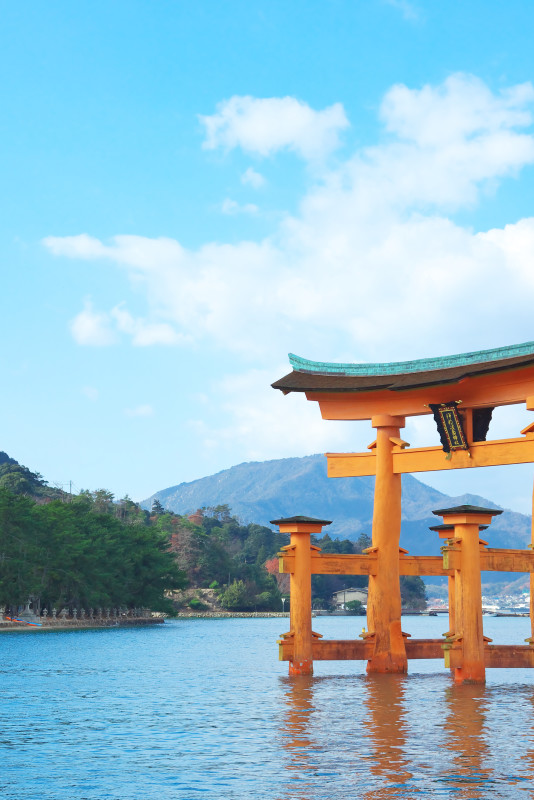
column 300, row 364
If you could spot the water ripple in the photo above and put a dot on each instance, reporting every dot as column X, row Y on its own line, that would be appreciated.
column 203, row 709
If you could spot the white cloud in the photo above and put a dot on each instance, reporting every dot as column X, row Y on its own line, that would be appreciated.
column 101, row 328
column 252, row 178
column 92, row 327
column 264, row 424
column 80, row 246
column 230, row 207
column 461, row 110
column 371, row 267
column 144, row 333
column 266, row 125
column 139, row 411
column 515, row 244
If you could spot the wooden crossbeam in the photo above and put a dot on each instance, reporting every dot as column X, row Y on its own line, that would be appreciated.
column 422, row 565
column 433, row 459
column 333, row 564
column 492, row 560
column 332, row 649
column 496, row 655
column 360, row 649
column 507, row 560
column 508, row 655
column 424, row 648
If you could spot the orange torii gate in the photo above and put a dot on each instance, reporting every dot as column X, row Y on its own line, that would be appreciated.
column 385, row 394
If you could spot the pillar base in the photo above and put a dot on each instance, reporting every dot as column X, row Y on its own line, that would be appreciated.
column 472, row 675
column 304, row 667
column 384, row 663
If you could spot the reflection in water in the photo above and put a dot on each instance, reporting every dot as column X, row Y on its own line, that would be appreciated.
column 302, row 761
column 385, row 704
column 345, row 737
column 529, row 744
column 169, row 714
column 387, row 737
column 470, row 773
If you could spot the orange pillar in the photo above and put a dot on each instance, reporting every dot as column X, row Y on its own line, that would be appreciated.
column 468, row 591
column 446, row 532
column 300, row 602
column 384, row 600
column 452, row 603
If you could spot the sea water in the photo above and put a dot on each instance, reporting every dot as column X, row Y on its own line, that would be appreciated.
column 204, row 709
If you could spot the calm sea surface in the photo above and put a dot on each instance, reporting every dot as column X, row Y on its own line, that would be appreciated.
column 203, row 709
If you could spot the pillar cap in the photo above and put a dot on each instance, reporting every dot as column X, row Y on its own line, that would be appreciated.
column 440, row 528
column 301, row 520
column 467, row 509
column 443, row 528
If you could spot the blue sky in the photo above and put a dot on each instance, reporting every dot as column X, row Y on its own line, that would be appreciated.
column 192, row 190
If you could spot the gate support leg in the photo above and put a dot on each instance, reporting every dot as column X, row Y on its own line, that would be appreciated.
column 384, row 600
column 300, row 602
column 468, row 633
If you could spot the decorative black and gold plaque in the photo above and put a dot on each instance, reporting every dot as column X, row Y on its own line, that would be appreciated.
column 449, row 426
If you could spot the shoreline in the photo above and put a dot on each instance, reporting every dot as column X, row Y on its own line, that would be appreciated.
column 67, row 624
column 75, row 624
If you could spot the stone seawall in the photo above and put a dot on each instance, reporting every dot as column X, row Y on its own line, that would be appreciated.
column 67, row 624
column 126, row 622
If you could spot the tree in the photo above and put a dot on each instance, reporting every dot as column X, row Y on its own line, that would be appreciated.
column 17, row 549
column 413, row 592
column 221, row 513
column 355, row 607
column 103, row 500
column 66, row 554
column 362, row 543
column 236, row 597
column 157, row 508
column 282, row 578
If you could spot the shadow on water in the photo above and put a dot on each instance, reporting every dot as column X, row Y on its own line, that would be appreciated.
column 416, row 736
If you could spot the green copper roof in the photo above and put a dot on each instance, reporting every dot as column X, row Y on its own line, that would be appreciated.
column 418, row 365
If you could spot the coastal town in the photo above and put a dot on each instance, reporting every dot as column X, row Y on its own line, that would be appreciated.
column 494, row 603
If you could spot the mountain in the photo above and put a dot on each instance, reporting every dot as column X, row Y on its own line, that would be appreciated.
column 261, row 491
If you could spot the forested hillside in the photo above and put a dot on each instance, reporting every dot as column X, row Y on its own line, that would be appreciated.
column 239, row 562
column 20, row 480
column 90, row 550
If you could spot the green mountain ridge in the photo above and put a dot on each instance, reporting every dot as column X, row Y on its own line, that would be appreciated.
column 261, row 491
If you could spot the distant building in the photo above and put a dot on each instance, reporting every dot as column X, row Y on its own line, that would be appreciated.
column 346, row 595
